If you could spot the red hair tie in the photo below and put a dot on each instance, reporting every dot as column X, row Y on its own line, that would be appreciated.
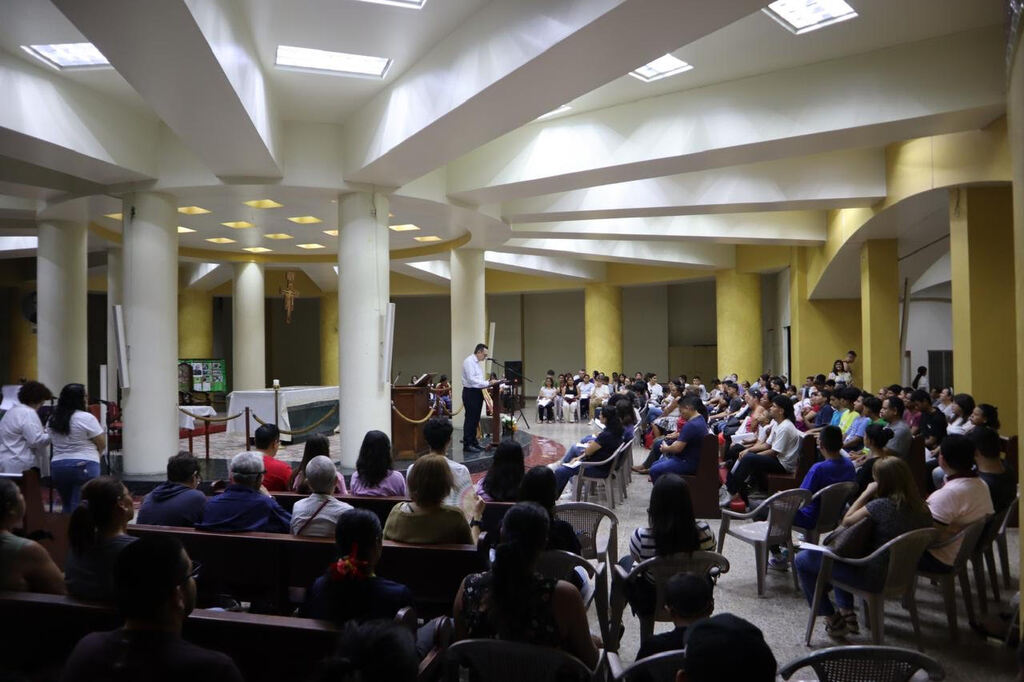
column 350, row 566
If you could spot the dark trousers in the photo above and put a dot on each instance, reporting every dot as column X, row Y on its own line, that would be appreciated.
column 473, row 401
column 753, row 465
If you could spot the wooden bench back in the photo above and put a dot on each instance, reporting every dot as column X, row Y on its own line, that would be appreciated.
column 705, row 483
column 264, row 565
column 808, row 455
column 381, row 506
column 246, row 637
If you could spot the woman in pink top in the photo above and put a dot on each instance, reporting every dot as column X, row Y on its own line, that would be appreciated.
column 375, row 475
column 315, row 446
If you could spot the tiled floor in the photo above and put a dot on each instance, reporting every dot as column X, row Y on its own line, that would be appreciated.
column 782, row 612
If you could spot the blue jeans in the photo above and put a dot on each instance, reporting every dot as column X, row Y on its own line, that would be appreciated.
column 653, row 413
column 69, row 475
column 565, row 474
column 808, row 565
column 670, row 464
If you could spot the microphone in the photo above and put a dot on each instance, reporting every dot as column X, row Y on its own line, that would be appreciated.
column 496, row 362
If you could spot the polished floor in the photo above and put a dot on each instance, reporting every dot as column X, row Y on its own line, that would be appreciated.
column 782, row 612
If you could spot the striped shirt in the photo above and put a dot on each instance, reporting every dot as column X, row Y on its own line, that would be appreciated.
column 641, row 543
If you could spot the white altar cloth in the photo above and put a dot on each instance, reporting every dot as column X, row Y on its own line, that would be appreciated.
column 261, row 403
column 186, row 421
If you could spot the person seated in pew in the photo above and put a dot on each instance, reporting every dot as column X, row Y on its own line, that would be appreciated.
column 316, row 515
column 380, row 651
column 242, row 507
column 512, row 602
column 155, row 589
column 1000, row 478
column 682, row 457
column 726, row 647
column 427, row 520
column 501, row 483
column 316, row 446
column 276, row 474
column 375, row 475
column 688, row 598
column 438, row 434
column 25, row 566
column 349, row 590
column 97, row 533
column 176, row 501
column 539, row 486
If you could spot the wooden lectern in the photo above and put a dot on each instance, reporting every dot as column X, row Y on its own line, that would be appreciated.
column 407, row 441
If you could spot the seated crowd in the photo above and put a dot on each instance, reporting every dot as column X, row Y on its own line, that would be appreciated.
column 761, row 429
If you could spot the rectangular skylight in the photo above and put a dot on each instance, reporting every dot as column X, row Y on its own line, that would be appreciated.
column 554, row 112
column 310, row 246
column 257, row 249
column 305, row 219
column 278, row 235
column 192, row 210
column 408, row 227
column 262, row 203
column 407, row 4
column 237, row 224
column 220, row 240
column 308, row 59
column 802, row 16
column 331, row 233
column 68, row 55
column 184, row 230
column 662, row 67
column 428, row 238
column 113, row 216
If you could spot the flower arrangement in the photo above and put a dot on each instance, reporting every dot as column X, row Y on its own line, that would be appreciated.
column 508, row 423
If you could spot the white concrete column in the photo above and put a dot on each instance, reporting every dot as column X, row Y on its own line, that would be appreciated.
column 248, row 330
column 363, row 293
column 150, row 279
column 115, row 296
column 62, row 298
column 469, row 312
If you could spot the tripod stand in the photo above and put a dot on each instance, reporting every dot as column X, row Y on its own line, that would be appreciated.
column 517, row 400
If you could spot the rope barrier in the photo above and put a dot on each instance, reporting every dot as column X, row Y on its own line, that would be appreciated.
column 299, row 432
column 209, row 419
column 412, row 421
column 442, row 410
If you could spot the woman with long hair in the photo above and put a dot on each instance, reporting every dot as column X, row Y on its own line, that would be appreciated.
column 671, row 528
column 598, row 449
column 97, row 532
column 840, row 374
column 512, row 602
column 893, row 506
column 25, row 566
column 963, row 408
column 876, row 437
column 316, row 446
column 546, row 401
column 375, row 475
column 78, row 439
column 539, row 486
column 985, row 414
column 501, row 483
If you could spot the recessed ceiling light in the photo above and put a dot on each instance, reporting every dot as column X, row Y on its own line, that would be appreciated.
column 662, row 67
column 262, row 203
column 332, row 233
column 428, row 238
column 278, row 235
column 192, row 210
column 310, row 246
column 308, row 59
column 305, row 219
column 68, row 55
column 408, row 4
column 803, row 16
column 184, row 230
column 555, row 112
column 256, row 249
column 113, row 216
column 403, row 228
column 220, row 240
column 237, row 224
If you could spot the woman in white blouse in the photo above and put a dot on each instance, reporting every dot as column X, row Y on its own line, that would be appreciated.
column 21, row 432
column 963, row 408
column 546, row 401
column 78, row 440
column 840, row 374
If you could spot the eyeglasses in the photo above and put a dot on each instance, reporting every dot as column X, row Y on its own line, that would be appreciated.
column 194, row 573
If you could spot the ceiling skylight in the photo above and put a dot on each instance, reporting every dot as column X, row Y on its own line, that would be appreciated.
column 408, row 227
column 257, row 249
column 310, row 246
column 220, row 240
column 554, row 112
column 308, row 59
column 192, row 210
column 262, row 203
column 237, row 224
column 113, row 216
column 428, row 238
column 331, row 233
column 407, row 4
column 662, row 67
column 803, row 16
column 184, row 230
column 278, row 235
column 68, row 55
column 305, row 219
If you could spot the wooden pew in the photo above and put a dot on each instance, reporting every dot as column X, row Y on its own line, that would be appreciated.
column 245, row 637
column 808, row 455
column 262, row 566
column 918, row 467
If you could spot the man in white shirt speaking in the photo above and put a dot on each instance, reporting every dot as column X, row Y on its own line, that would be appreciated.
column 473, row 383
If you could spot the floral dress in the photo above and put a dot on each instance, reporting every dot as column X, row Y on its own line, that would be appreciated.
column 539, row 626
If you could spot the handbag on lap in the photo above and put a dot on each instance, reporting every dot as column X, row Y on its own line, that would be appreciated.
column 852, row 542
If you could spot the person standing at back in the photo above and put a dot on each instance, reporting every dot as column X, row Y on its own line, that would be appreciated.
column 22, row 435
column 78, row 440
column 278, row 474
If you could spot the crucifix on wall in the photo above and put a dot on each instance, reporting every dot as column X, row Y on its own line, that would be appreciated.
column 290, row 293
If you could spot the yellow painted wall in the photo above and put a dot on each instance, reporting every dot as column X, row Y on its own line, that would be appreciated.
column 23, row 360
column 984, row 310
column 404, row 285
column 630, row 273
column 879, row 362
column 329, row 339
column 738, row 311
column 195, row 324
column 821, row 331
column 602, row 327
column 502, row 282
column 761, row 258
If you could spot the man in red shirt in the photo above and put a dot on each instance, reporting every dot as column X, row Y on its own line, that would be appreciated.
column 268, row 441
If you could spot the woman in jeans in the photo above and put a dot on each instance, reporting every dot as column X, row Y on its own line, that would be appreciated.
column 78, row 439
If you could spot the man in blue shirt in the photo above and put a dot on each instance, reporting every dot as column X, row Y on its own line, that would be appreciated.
column 683, row 455
column 242, row 506
column 176, row 502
